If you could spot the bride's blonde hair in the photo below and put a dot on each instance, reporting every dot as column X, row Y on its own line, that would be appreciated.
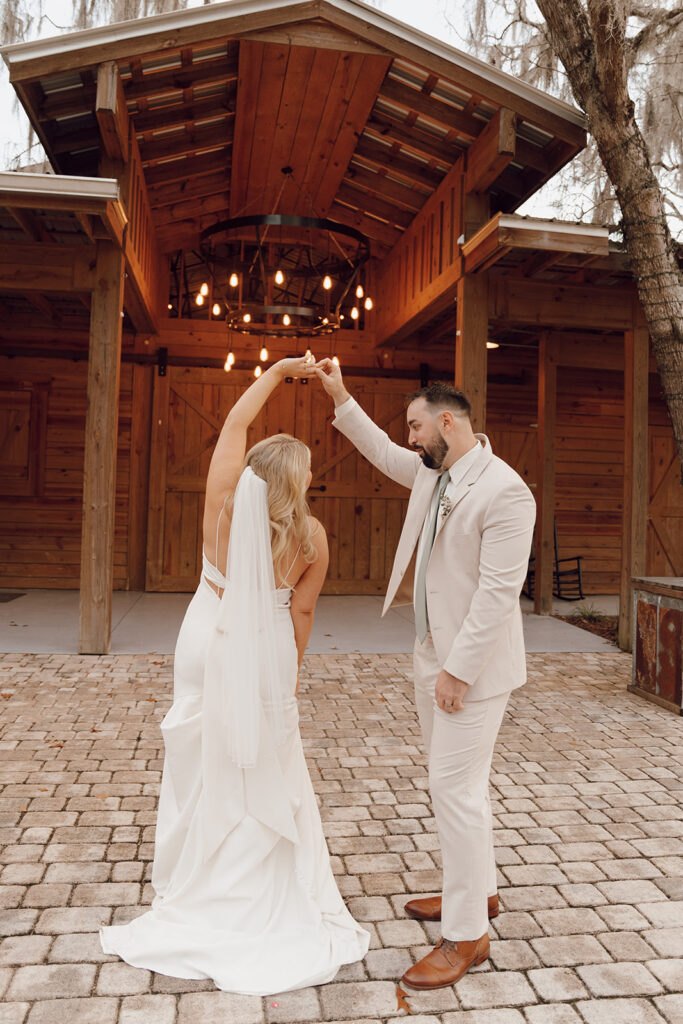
column 284, row 462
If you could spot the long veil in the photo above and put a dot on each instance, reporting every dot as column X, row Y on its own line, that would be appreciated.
column 245, row 707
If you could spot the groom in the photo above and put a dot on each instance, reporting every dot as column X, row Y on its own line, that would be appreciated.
column 461, row 559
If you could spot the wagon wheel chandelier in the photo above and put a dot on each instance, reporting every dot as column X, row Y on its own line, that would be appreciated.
column 284, row 275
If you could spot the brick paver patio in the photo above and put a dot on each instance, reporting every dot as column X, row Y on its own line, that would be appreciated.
column 587, row 803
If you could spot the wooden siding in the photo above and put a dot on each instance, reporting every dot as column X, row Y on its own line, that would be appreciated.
column 40, row 499
column 40, row 526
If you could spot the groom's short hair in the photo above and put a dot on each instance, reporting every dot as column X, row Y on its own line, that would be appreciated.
column 443, row 396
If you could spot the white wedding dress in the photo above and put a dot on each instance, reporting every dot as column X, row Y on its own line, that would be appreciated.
column 244, row 890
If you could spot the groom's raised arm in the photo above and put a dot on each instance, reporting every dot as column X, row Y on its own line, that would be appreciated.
column 395, row 461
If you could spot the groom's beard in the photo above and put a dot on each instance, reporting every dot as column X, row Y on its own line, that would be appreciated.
column 433, row 454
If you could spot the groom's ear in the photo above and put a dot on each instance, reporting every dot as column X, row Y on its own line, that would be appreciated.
column 446, row 420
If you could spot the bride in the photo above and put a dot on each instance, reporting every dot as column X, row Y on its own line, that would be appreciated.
column 244, row 889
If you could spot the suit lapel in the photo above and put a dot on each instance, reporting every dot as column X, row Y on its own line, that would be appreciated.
column 474, row 472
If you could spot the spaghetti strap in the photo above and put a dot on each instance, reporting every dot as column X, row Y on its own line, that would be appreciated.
column 284, row 578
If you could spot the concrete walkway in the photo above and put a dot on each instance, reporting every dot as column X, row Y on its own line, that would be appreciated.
column 586, row 797
column 46, row 622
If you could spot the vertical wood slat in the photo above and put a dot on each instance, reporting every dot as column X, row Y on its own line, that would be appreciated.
column 545, row 494
column 139, row 475
column 634, row 520
column 99, row 467
column 157, row 483
column 470, row 348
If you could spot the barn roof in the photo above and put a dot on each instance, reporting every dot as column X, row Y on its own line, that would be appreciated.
column 370, row 113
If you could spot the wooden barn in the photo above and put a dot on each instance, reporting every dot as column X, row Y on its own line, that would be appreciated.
column 173, row 139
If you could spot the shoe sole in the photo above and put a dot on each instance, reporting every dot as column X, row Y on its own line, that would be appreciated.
column 444, row 984
column 417, row 916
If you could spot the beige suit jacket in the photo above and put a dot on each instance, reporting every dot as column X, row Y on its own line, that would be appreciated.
column 478, row 562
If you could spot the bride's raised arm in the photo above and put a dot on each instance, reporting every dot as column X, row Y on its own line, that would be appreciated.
column 228, row 455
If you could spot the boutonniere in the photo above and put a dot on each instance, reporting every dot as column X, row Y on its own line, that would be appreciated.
column 445, row 505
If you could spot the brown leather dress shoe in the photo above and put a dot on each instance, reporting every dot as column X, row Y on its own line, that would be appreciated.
column 446, row 963
column 429, row 909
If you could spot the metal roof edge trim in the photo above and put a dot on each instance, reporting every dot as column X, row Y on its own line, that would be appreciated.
column 511, row 220
column 71, row 186
column 21, row 53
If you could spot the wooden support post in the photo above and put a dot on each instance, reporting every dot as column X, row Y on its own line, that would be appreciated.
column 99, row 470
column 634, row 518
column 545, row 488
column 470, row 345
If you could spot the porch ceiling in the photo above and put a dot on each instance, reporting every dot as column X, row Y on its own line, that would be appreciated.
column 370, row 113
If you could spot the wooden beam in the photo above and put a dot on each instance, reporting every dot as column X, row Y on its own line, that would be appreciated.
column 29, row 223
column 411, row 138
column 99, row 468
column 536, row 303
column 371, row 203
column 176, row 81
column 634, row 516
column 386, row 188
column 111, row 111
column 186, row 168
column 176, row 115
column 384, row 233
column 181, row 143
column 470, row 344
column 418, row 278
column 491, row 152
column 193, row 188
column 47, row 268
column 545, row 493
column 403, row 164
column 422, row 103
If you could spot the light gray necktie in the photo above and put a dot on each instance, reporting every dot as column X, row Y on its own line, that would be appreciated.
column 421, row 620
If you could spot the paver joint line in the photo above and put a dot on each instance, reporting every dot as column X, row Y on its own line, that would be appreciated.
column 586, row 800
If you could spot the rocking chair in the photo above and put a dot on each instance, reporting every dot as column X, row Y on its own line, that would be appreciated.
column 567, row 582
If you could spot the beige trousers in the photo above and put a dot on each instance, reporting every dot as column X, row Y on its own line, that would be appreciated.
column 460, row 748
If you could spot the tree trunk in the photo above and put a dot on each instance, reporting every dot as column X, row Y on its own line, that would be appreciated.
column 593, row 55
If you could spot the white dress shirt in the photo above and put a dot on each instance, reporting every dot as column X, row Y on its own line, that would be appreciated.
column 457, row 471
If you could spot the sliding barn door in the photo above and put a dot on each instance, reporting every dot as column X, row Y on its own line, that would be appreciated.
column 361, row 510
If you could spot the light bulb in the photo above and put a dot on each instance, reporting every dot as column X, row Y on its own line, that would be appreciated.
column 204, row 290
column 247, row 318
column 354, row 313
column 257, row 371
column 286, row 319
column 368, row 303
column 359, row 291
column 216, row 310
column 234, row 280
column 263, row 354
column 341, row 316
column 231, row 359
column 279, row 277
column 335, row 360
column 227, row 366
column 327, row 282
column 170, row 305
column 199, row 299
column 325, row 320
column 492, row 344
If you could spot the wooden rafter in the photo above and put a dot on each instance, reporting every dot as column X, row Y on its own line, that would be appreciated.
column 176, row 115
column 432, row 108
column 386, row 188
column 187, row 167
column 390, row 158
column 190, row 141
